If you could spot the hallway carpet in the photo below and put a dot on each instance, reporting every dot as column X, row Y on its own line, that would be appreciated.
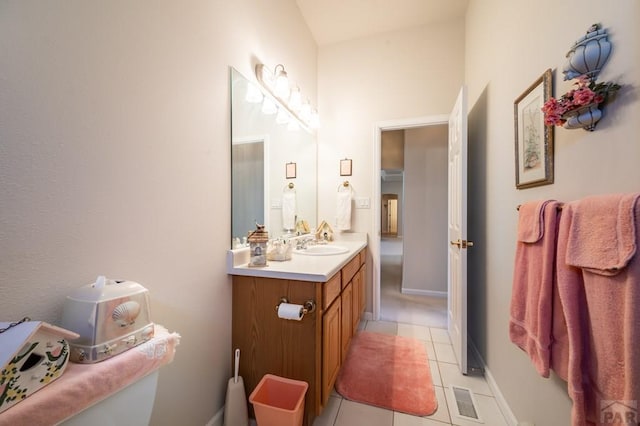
column 388, row 371
column 407, row 308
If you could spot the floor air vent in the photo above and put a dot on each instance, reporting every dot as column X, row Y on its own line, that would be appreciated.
column 465, row 404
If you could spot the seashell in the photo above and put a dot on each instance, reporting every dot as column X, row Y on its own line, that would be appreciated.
column 126, row 313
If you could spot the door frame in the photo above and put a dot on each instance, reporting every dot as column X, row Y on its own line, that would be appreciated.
column 374, row 243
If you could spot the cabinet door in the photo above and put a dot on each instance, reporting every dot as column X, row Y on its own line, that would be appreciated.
column 355, row 303
column 362, row 297
column 331, row 348
column 347, row 313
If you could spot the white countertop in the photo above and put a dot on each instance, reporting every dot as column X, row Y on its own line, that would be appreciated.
column 301, row 267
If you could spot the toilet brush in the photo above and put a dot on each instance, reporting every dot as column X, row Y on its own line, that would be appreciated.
column 235, row 407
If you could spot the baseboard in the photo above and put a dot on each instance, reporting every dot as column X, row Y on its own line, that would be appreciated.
column 217, row 419
column 502, row 402
column 419, row 292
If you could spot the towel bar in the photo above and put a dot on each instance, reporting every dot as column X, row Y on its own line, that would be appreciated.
column 559, row 208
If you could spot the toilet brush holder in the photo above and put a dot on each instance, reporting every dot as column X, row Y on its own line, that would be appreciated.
column 235, row 407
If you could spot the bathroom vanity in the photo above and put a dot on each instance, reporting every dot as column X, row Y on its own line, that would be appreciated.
column 313, row 348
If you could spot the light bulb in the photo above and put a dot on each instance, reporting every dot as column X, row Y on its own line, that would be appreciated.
column 268, row 106
column 305, row 111
column 254, row 95
column 281, row 88
column 282, row 117
column 293, row 126
column 295, row 100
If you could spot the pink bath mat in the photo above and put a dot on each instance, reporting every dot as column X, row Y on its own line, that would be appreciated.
column 390, row 372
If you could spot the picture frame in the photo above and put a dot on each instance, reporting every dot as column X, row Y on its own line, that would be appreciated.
column 345, row 167
column 290, row 170
column 533, row 139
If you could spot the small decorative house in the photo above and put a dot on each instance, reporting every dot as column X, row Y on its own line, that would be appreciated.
column 32, row 355
column 258, row 240
column 324, row 232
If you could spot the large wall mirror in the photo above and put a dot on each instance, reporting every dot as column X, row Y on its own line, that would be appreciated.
column 265, row 155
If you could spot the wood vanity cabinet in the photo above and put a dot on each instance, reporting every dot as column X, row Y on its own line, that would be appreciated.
column 312, row 349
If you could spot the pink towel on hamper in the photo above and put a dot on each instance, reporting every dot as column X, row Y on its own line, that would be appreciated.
column 82, row 385
column 530, row 325
column 601, row 305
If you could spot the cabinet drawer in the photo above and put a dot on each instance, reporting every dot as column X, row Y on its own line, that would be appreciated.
column 330, row 290
column 350, row 270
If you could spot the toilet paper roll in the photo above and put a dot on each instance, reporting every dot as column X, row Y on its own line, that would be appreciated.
column 290, row 311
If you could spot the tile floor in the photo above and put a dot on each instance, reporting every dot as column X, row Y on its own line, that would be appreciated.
column 444, row 371
column 425, row 319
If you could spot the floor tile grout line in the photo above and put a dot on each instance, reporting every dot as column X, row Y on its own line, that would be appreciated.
column 444, row 394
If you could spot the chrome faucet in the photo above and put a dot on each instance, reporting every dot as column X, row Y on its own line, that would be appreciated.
column 302, row 243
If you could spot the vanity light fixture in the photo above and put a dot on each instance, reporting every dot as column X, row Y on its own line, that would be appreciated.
column 288, row 99
column 293, row 125
column 254, row 95
column 268, row 106
column 281, row 87
column 282, row 117
column 295, row 99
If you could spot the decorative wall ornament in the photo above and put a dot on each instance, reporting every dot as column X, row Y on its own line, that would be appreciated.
column 581, row 107
column 588, row 55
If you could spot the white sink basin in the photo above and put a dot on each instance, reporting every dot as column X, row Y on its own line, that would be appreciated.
column 322, row 250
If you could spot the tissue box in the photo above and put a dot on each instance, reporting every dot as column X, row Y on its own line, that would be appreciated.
column 111, row 316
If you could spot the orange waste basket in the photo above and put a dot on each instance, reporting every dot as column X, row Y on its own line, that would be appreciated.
column 278, row 401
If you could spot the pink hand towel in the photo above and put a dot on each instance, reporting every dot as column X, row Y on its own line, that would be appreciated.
column 530, row 324
column 531, row 221
column 599, row 289
column 603, row 235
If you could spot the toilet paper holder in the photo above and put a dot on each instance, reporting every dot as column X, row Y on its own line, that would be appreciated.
column 309, row 306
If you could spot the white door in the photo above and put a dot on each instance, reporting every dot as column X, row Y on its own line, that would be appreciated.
column 457, row 225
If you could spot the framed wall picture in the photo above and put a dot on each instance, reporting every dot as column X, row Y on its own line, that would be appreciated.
column 345, row 167
column 533, row 139
column 290, row 170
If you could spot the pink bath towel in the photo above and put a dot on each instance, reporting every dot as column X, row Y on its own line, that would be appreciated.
column 602, row 237
column 530, row 325
column 599, row 289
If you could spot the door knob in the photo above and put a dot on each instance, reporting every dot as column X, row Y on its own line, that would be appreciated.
column 462, row 243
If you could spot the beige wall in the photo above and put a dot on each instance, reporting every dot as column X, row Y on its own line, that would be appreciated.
column 508, row 46
column 114, row 159
column 424, row 262
column 114, row 154
column 363, row 82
